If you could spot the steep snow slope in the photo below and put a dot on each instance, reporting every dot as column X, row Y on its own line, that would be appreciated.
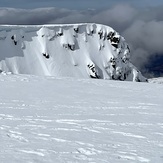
column 81, row 50
column 55, row 120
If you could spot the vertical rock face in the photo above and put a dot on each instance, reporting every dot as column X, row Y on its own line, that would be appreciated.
column 80, row 50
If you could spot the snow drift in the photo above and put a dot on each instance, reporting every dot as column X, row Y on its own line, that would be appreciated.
column 77, row 50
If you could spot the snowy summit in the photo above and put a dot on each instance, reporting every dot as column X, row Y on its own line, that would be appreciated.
column 77, row 50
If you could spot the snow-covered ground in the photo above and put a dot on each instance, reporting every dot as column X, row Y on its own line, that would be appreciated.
column 68, row 120
column 156, row 80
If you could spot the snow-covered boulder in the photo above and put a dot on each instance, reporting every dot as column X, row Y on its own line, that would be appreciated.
column 75, row 50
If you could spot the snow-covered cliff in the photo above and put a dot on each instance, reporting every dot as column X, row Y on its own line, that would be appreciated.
column 75, row 50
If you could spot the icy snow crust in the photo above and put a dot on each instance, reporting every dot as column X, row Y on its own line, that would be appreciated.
column 67, row 120
column 75, row 50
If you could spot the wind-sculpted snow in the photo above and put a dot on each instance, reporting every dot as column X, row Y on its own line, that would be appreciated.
column 79, row 50
column 58, row 120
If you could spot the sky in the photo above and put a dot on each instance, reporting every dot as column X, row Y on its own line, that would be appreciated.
column 139, row 21
column 75, row 4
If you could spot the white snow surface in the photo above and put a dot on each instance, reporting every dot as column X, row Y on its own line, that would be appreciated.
column 74, row 50
column 156, row 80
column 68, row 120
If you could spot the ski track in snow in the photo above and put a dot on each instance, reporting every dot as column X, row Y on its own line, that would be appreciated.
column 45, row 119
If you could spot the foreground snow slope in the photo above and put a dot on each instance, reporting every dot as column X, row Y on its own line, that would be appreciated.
column 75, row 50
column 61, row 120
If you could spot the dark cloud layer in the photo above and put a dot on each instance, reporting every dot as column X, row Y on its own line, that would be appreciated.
column 142, row 28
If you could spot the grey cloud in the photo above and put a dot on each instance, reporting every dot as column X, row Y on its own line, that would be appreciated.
column 31, row 16
column 142, row 28
column 148, row 35
column 120, row 16
column 146, row 39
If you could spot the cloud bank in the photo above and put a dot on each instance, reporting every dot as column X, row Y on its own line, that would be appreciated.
column 142, row 28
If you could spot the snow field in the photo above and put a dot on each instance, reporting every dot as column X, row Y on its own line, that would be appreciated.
column 48, row 119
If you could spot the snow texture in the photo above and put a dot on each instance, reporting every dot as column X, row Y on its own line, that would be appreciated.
column 63, row 120
column 156, row 80
column 75, row 50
